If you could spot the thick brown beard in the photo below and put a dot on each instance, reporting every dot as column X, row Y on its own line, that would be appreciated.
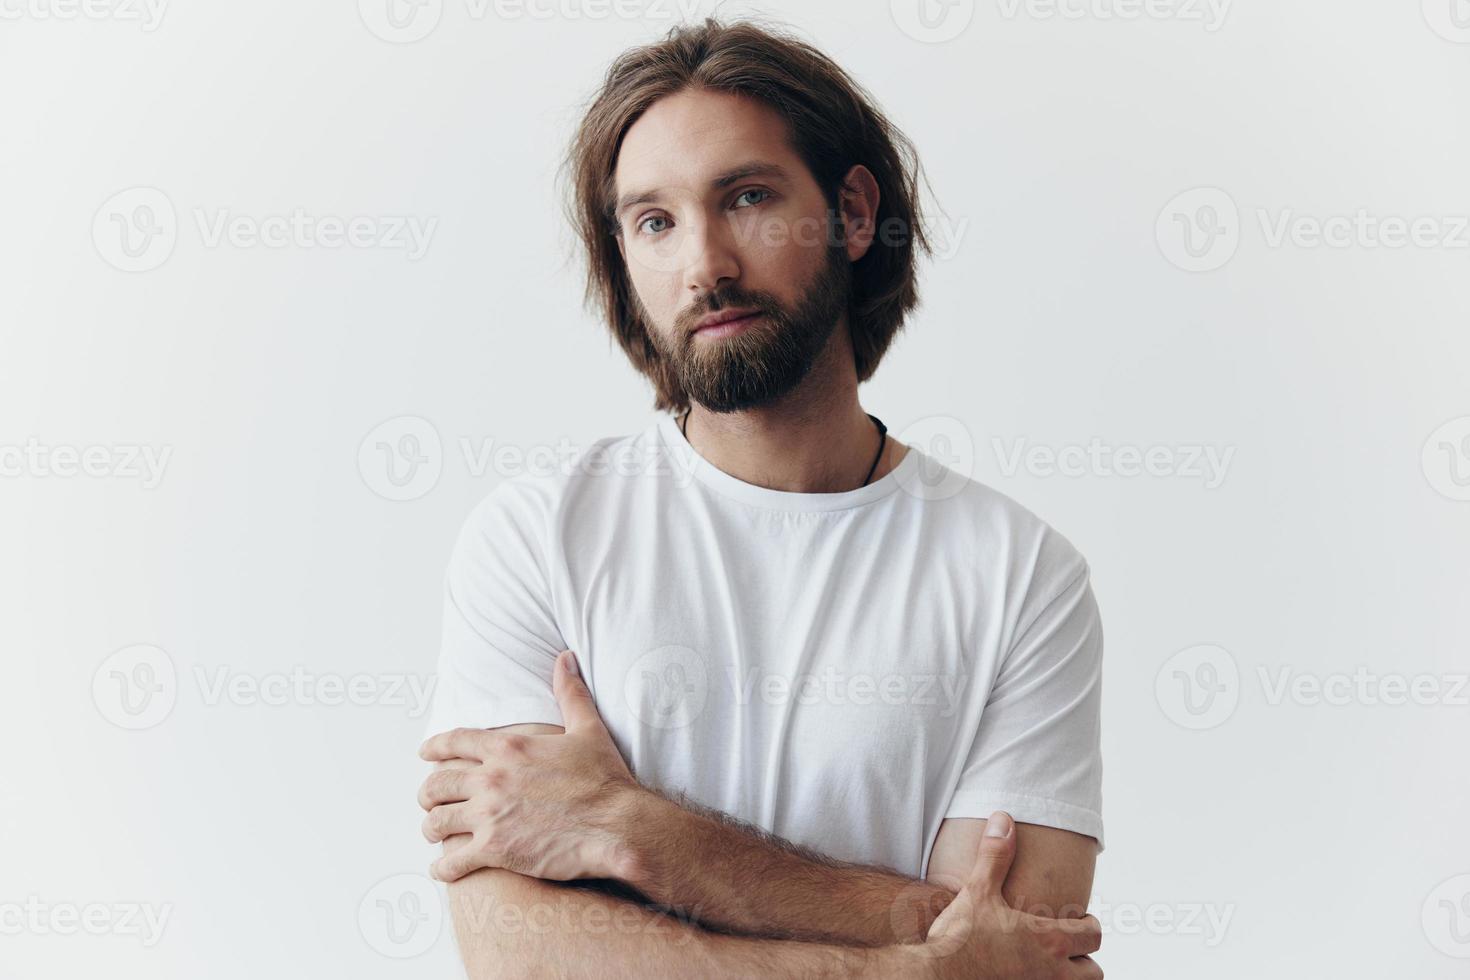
column 771, row 356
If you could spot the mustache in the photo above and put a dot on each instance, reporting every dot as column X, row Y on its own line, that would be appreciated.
column 690, row 318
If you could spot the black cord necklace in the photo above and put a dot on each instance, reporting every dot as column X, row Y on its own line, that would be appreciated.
column 882, row 440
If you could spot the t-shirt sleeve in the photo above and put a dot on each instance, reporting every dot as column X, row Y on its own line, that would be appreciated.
column 1037, row 751
column 500, row 638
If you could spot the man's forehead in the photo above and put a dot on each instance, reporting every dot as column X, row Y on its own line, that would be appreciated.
column 690, row 140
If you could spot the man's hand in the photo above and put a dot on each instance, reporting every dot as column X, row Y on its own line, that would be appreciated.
column 978, row 934
column 548, row 806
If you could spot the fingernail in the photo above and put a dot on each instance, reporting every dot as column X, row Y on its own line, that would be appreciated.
column 999, row 824
column 571, row 659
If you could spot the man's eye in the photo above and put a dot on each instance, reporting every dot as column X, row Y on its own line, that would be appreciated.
column 754, row 190
column 656, row 217
column 642, row 225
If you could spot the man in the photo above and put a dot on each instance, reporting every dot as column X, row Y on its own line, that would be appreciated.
column 805, row 694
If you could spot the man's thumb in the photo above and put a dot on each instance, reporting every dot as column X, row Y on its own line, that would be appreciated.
column 997, row 851
column 578, row 710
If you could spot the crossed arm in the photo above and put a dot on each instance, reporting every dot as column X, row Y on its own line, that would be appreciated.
column 510, row 925
column 694, row 891
column 741, row 905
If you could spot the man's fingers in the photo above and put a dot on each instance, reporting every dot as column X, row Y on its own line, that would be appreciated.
column 455, row 865
column 578, row 710
column 461, row 743
column 1085, row 968
column 997, row 851
column 444, row 786
column 446, row 821
column 1084, row 934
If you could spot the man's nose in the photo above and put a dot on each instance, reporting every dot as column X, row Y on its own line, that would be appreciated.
column 713, row 257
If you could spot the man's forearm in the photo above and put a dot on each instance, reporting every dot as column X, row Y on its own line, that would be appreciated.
column 738, row 878
column 509, row 925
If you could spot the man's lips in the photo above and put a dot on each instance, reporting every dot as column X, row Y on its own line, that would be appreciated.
column 729, row 326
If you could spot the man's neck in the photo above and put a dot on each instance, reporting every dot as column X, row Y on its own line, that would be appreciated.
column 816, row 439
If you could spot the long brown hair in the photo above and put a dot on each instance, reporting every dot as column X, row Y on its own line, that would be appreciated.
column 833, row 123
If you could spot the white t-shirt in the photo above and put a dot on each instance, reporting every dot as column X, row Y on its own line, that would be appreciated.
column 845, row 669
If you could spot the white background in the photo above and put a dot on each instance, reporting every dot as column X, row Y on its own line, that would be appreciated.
column 1327, row 836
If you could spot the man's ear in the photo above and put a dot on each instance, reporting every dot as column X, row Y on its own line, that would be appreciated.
column 858, row 199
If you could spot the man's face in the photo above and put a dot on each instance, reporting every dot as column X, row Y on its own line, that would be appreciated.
column 708, row 239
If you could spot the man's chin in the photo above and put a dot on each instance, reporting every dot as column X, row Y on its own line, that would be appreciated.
column 724, row 402
column 747, row 370
column 729, row 407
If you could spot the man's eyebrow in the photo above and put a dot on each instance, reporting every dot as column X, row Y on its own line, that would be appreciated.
column 756, row 168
